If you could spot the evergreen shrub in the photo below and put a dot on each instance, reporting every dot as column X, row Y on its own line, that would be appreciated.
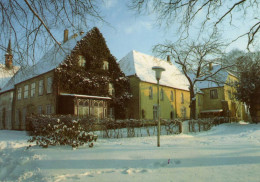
column 49, row 130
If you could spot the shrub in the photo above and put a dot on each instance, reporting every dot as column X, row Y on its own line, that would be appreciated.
column 60, row 130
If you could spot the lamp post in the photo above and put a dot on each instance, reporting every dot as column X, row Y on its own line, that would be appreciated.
column 158, row 72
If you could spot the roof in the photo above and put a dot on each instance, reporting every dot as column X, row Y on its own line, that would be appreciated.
column 220, row 77
column 48, row 62
column 139, row 64
column 212, row 111
column 6, row 74
column 85, row 96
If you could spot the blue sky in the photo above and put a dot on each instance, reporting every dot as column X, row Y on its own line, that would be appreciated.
column 129, row 31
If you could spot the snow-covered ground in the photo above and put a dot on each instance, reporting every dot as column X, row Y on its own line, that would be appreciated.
column 229, row 152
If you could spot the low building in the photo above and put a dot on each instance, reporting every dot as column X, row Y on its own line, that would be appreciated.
column 218, row 97
column 174, row 88
column 66, row 80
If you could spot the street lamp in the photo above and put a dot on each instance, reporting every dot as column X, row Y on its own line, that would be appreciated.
column 158, row 72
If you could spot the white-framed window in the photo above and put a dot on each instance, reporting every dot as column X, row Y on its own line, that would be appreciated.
column 33, row 89
column 183, row 112
column 111, row 90
column 105, row 65
column 172, row 97
column 182, row 98
column 151, row 92
column 26, row 90
column 41, row 87
column 19, row 94
column 49, row 85
column 39, row 108
column 82, row 61
column 48, row 109
column 162, row 94
column 214, row 94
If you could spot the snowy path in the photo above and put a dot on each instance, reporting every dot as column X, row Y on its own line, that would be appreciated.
column 229, row 152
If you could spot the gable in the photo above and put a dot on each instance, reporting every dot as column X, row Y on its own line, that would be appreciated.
column 48, row 62
column 139, row 64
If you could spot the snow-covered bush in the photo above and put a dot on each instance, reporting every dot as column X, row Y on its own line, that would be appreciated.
column 60, row 130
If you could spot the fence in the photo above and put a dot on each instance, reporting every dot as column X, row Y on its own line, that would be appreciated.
column 204, row 124
column 138, row 128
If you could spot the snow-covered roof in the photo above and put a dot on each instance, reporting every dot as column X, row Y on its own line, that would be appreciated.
column 6, row 74
column 48, row 62
column 139, row 64
column 219, row 79
column 85, row 96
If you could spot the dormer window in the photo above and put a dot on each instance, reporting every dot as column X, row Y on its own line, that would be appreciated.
column 82, row 61
column 105, row 65
column 111, row 89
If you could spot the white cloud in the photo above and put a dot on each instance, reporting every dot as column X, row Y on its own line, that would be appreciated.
column 110, row 3
column 138, row 26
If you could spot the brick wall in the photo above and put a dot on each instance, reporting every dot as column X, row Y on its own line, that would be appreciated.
column 44, row 103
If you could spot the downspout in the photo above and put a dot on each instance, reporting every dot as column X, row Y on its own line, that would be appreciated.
column 139, row 100
column 175, row 103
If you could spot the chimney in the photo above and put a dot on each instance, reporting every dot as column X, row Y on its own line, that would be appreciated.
column 210, row 67
column 66, row 35
column 9, row 56
column 168, row 59
column 75, row 35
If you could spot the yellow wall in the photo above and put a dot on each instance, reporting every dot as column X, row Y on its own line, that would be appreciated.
column 141, row 105
column 234, row 106
column 212, row 104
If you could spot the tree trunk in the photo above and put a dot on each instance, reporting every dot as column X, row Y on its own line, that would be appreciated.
column 192, row 103
column 253, row 113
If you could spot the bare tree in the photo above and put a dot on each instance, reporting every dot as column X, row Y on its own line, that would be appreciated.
column 194, row 59
column 33, row 23
column 215, row 14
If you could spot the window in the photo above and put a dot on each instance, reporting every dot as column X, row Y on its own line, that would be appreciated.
column 199, row 100
column 19, row 96
column 49, row 85
column 162, row 94
column 155, row 112
column 214, row 94
column 171, row 95
column 41, row 87
column 183, row 112
column 229, row 94
column 172, row 114
column 82, row 61
column 111, row 90
column 39, row 109
column 105, row 65
column 32, row 89
column 25, row 94
column 150, row 92
column 48, row 109
column 182, row 98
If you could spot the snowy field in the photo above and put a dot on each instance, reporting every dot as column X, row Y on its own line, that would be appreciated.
column 229, row 152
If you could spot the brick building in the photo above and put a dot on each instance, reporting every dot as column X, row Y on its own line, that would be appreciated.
column 32, row 90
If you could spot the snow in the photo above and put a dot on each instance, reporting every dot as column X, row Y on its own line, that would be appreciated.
column 139, row 64
column 85, row 96
column 6, row 74
column 228, row 152
column 220, row 77
column 48, row 62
